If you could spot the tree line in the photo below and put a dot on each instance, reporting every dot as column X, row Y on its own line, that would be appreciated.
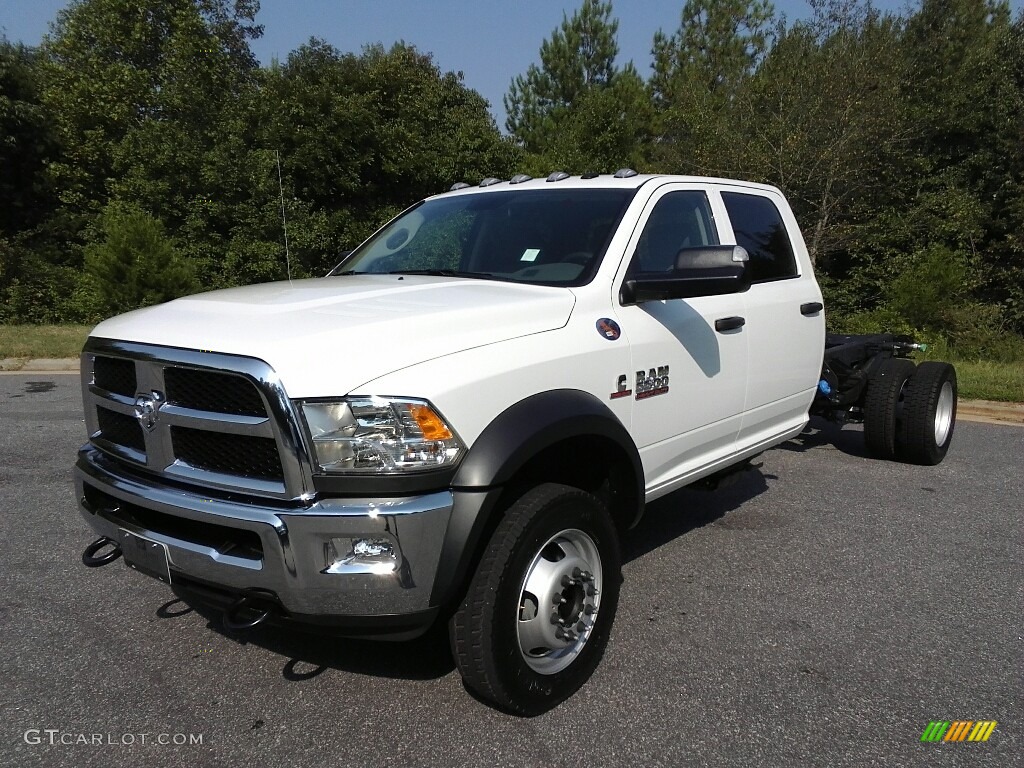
column 145, row 153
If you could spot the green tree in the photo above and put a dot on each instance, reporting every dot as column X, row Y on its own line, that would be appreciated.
column 135, row 264
column 363, row 137
column 968, row 96
column 1004, row 267
column 963, row 95
column 34, row 284
column 826, row 121
column 139, row 89
column 578, row 110
column 27, row 141
column 699, row 80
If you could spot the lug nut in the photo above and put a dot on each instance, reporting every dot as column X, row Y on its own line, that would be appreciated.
column 591, row 591
column 582, row 575
column 580, row 627
column 589, row 610
column 568, row 581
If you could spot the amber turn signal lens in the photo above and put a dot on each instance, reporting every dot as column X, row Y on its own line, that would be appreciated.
column 430, row 423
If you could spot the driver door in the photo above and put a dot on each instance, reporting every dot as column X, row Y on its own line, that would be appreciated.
column 689, row 380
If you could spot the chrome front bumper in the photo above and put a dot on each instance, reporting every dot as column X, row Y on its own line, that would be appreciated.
column 336, row 558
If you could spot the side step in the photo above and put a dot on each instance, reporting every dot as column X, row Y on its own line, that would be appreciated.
column 727, row 476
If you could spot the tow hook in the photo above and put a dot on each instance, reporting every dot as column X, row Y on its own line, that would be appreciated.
column 246, row 612
column 90, row 559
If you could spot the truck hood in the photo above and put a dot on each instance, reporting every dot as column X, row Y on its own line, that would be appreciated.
column 327, row 336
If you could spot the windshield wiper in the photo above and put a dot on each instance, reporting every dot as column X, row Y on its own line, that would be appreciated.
column 442, row 273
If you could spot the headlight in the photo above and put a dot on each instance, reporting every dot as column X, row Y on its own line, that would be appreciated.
column 373, row 435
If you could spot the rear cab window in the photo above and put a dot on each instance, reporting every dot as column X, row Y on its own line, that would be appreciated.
column 758, row 227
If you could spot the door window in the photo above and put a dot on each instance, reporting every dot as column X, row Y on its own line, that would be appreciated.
column 679, row 220
column 759, row 228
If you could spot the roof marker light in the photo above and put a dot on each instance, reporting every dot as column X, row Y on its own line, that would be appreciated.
column 490, row 181
column 519, row 178
column 558, row 176
column 590, row 175
column 458, row 185
column 625, row 173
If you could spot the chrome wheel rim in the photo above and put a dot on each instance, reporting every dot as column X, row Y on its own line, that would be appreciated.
column 944, row 414
column 559, row 601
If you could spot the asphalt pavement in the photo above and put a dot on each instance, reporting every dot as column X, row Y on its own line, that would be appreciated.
column 820, row 612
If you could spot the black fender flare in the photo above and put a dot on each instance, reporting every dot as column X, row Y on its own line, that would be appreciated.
column 515, row 436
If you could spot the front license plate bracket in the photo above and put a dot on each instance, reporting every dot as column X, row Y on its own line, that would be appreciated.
column 146, row 556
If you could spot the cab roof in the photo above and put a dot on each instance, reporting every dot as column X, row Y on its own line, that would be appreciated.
column 623, row 179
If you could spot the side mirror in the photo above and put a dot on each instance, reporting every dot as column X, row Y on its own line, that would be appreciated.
column 708, row 270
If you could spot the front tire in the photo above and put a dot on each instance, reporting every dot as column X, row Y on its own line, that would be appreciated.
column 539, row 609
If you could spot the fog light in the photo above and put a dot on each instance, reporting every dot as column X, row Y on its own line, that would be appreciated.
column 372, row 554
column 373, row 549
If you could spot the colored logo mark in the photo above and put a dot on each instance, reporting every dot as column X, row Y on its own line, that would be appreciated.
column 608, row 328
column 959, row 730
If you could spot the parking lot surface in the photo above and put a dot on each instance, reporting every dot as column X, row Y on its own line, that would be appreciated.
column 821, row 611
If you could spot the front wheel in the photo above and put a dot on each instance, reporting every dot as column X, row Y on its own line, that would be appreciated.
column 536, row 617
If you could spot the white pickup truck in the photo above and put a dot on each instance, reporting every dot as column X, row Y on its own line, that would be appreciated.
column 460, row 421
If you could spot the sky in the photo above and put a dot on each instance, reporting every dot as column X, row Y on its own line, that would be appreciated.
column 489, row 41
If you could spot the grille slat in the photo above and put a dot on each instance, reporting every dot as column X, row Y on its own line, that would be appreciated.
column 121, row 430
column 213, row 391
column 242, row 455
column 115, row 374
column 211, row 420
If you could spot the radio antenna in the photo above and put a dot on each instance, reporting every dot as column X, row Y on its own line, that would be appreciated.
column 284, row 218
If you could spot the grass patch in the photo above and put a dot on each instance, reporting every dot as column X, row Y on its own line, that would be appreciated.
column 986, row 380
column 34, row 341
column 981, row 380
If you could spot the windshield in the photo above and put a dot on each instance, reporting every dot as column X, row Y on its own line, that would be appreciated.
column 548, row 237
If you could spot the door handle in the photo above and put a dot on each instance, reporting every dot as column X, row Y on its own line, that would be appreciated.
column 811, row 308
column 729, row 323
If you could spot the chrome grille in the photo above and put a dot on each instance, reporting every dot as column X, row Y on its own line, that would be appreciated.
column 213, row 391
column 118, row 429
column 231, row 454
column 115, row 375
column 218, row 421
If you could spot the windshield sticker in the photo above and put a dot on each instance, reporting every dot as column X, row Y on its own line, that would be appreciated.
column 530, row 254
column 608, row 328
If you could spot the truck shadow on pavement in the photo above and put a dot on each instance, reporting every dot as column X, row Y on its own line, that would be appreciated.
column 819, row 433
column 688, row 509
column 310, row 653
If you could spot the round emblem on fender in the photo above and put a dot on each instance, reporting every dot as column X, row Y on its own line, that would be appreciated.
column 608, row 328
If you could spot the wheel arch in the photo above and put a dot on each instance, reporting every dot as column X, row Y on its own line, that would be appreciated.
column 539, row 439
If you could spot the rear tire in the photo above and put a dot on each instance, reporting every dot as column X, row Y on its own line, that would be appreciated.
column 539, row 609
column 929, row 414
column 882, row 404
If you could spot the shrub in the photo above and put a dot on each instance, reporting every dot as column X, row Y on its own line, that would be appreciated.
column 136, row 263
